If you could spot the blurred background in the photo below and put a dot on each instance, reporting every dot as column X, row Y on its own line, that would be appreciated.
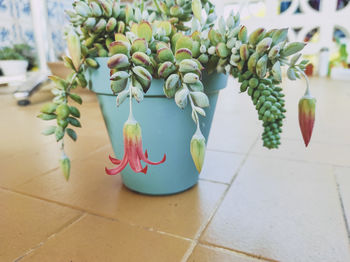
column 33, row 30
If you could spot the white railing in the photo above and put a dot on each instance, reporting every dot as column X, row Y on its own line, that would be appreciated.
column 326, row 19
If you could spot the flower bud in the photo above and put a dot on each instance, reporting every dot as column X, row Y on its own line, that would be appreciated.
column 65, row 166
column 197, row 149
column 307, row 105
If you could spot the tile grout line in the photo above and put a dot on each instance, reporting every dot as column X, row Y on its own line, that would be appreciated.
column 88, row 212
column 341, row 202
column 248, row 255
column 214, row 181
column 42, row 243
column 205, row 225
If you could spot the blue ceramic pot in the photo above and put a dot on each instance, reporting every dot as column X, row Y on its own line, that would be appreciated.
column 165, row 129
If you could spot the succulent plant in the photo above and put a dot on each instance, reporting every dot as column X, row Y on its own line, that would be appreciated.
column 174, row 40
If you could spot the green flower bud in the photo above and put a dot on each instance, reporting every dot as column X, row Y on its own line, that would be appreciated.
column 197, row 149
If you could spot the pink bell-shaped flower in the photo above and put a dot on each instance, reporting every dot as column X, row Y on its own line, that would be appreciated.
column 133, row 153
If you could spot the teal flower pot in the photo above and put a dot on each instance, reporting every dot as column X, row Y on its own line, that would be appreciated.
column 165, row 129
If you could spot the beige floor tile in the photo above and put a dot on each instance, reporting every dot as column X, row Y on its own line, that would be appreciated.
column 283, row 210
column 203, row 253
column 89, row 188
column 337, row 154
column 343, row 179
column 26, row 222
column 26, row 165
column 94, row 239
column 220, row 166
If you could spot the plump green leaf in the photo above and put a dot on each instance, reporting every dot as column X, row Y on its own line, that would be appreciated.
column 73, row 121
column 49, row 108
column 74, row 111
column 59, row 133
column 45, row 116
column 76, row 98
column 49, row 131
column 72, row 134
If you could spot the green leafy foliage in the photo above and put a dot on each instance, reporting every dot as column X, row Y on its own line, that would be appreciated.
column 174, row 40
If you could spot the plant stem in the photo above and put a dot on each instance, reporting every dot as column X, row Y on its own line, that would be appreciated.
column 131, row 116
column 307, row 92
column 194, row 111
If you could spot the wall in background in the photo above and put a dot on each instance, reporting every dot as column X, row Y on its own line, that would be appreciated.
column 16, row 22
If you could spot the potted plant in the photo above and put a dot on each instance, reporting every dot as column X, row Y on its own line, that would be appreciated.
column 169, row 56
column 16, row 60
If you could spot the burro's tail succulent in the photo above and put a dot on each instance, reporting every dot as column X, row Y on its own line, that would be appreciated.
column 175, row 40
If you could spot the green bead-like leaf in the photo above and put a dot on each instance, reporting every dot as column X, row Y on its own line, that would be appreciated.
column 49, row 108
column 73, row 121
column 76, row 98
column 74, row 111
column 59, row 133
column 72, row 134
column 45, row 116
column 49, row 131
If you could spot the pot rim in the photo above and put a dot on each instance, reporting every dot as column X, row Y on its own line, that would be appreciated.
column 214, row 81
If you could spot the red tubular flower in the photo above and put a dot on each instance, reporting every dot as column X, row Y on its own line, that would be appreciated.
column 133, row 153
column 307, row 105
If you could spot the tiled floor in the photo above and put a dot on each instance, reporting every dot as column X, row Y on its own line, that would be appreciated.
column 251, row 204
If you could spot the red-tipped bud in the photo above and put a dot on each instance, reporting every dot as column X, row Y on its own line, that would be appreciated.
column 307, row 105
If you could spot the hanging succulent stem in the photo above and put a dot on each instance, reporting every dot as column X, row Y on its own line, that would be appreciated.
column 131, row 116
column 307, row 91
column 194, row 112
